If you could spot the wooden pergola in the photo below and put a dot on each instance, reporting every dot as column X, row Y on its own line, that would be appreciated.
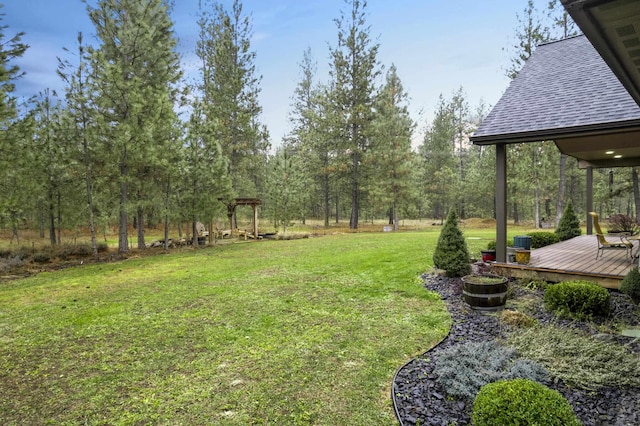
column 231, row 213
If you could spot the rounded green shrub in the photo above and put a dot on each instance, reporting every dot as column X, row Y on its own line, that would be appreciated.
column 451, row 253
column 569, row 225
column 580, row 299
column 521, row 402
column 630, row 285
column 542, row 239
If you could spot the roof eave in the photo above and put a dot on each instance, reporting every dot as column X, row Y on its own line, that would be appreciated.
column 553, row 134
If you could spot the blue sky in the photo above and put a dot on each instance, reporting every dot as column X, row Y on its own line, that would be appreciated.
column 436, row 45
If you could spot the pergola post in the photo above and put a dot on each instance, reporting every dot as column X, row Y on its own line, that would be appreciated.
column 501, row 203
column 589, row 199
column 255, row 220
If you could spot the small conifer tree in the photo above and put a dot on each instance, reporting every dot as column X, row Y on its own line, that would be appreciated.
column 452, row 254
column 569, row 225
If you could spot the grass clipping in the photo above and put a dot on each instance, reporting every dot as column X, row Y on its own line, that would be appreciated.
column 581, row 361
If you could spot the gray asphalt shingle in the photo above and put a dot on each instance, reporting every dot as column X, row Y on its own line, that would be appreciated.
column 564, row 84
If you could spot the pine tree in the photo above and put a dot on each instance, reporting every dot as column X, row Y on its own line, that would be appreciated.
column 529, row 34
column 305, row 136
column 230, row 90
column 354, row 70
column 81, row 128
column 13, row 155
column 135, row 68
column 390, row 158
column 438, row 163
column 451, row 253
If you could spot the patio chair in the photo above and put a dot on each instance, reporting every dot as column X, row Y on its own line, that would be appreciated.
column 603, row 244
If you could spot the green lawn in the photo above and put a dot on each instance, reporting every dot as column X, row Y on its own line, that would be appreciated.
column 306, row 331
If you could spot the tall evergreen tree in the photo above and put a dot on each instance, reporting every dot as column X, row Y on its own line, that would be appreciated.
column 13, row 157
column 354, row 70
column 438, row 162
column 135, row 68
column 81, row 129
column 230, row 90
column 305, row 122
column 391, row 156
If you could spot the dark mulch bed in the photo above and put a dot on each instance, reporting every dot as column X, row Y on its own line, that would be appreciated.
column 419, row 399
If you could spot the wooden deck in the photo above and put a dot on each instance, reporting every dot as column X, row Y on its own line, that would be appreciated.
column 573, row 259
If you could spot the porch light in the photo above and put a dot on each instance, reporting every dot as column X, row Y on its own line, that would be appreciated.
column 617, row 156
column 609, row 152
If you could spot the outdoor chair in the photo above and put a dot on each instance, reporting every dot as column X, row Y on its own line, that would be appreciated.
column 603, row 244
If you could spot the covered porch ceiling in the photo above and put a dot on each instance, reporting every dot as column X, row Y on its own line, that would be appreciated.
column 613, row 27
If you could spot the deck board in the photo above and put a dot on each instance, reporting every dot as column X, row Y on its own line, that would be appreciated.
column 574, row 259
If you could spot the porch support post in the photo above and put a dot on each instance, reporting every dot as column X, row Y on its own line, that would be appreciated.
column 501, row 203
column 589, row 199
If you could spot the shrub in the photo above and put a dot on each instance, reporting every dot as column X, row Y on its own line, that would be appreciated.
column 622, row 223
column 569, row 225
column 630, row 285
column 492, row 244
column 463, row 369
column 521, row 402
column 518, row 319
column 578, row 359
column 579, row 299
column 451, row 253
column 102, row 247
column 41, row 257
column 541, row 239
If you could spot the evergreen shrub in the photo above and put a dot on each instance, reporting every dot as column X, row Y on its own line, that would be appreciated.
column 541, row 239
column 579, row 299
column 463, row 369
column 630, row 285
column 569, row 225
column 451, row 253
column 521, row 402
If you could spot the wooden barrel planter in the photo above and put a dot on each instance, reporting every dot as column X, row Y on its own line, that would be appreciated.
column 485, row 292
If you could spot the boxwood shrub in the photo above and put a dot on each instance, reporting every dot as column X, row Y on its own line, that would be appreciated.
column 630, row 285
column 541, row 239
column 579, row 299
column 521, row 402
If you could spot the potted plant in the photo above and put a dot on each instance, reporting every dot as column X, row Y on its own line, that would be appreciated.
column 489, row 254
column 485, row 292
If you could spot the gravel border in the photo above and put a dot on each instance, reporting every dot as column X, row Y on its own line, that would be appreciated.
column 419, row 399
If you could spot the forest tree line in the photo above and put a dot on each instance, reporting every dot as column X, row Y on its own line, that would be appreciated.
column 130, row 143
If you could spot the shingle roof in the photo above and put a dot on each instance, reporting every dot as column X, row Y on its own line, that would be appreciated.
column 564, row 87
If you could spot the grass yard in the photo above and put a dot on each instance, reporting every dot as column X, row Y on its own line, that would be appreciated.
column 295, row 332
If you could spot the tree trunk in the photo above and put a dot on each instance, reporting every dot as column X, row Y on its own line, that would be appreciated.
column 52, row 221
column 123, row 236
column 355, row 193
column 141, row 242
column 396, row 225
column 561, row 188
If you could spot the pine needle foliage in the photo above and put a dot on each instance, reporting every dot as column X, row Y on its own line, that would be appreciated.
column 452, row 254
